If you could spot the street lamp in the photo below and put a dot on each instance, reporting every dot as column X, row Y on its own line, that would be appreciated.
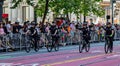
column 34, row 5
column 1, row 9
column 112, row 7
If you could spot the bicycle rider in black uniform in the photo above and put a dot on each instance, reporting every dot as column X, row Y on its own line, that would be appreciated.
column 109, row 31
column 85, row 34
column 33, row 34
column 54, row 32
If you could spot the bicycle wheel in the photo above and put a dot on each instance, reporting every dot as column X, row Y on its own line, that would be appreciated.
column 56, row 46
column 37, row 47
column 80, row 47
column 87, row 47
column 106, row 48
column 49, row 47
column 111, row 50
column 27, row 46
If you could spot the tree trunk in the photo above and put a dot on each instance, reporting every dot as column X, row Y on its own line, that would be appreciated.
column 68, row 17
column 84, row 18
column 77, row 18
column 46, row 10
column 80, row 18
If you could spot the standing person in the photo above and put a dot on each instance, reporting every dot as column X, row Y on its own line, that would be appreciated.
column 9, row 27
column 25, row 27
column 2, row 33
column 16, row 28
column 47, row 29
column 73, row 29
column 5, row 28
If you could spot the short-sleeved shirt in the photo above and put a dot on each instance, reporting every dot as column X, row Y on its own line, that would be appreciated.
column 15, row 28
column 53, row 29
column 85, row 31
column 108, row 30
column 32, row 30
column 8, row 26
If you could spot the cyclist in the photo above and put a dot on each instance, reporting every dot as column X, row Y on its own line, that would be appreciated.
column 109, row 31
column 54, row 32
column 85, row 34
column 33, row 34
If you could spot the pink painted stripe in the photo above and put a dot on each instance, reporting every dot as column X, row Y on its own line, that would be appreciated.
column 81, row 62
column 36, row 55
column 114, row 62
column 31, row 60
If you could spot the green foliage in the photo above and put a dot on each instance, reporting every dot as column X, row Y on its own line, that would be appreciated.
column 91, row 7
column 85, row 7
column 40, row 8
column 77, row 7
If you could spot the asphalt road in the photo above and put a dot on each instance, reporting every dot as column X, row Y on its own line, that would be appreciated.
column 66, row 56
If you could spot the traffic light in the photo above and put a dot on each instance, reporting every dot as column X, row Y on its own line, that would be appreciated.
column 108, row 16
column 113, row 1
column 1, row 0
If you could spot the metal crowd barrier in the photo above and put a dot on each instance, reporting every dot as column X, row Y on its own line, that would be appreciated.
column 117, row 35
column 16, row 41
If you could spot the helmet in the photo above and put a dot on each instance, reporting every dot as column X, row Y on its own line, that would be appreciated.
column 16, row 22
column 33, row 23
column 108, row 23
column 85, row 24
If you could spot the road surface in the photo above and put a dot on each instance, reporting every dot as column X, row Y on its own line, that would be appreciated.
column 66, row 56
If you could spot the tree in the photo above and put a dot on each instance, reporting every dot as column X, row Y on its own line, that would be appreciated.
column 91, row 7
column 77, row 7
column 85, row 7
column 62, row 7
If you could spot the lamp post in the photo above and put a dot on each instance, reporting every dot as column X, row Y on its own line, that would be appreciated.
column 35, row 16
column 112, row 8
column 1, row 9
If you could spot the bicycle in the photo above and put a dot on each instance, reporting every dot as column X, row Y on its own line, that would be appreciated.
column 29, row 43
column 52, row 44
column 107, row 46
column 84, row 45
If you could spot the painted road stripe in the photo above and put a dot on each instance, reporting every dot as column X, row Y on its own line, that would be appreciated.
column 4, row 57
column 79, row 59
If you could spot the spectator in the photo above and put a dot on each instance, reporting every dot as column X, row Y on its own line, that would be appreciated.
column 16, row 27
column 9, row 27
column 2, row 32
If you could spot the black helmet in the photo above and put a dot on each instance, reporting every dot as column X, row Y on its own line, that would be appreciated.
column 16, row 22
column 108, row 23
column 33, row 23
column 85, row 24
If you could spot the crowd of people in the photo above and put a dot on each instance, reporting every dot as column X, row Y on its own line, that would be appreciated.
column 66, row 28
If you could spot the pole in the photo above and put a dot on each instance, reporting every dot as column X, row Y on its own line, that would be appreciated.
column 1, row 10
column 112, row 11
column 35, row 16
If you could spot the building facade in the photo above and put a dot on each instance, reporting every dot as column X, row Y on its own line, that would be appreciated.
column 21, row 13
column 106, row 4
